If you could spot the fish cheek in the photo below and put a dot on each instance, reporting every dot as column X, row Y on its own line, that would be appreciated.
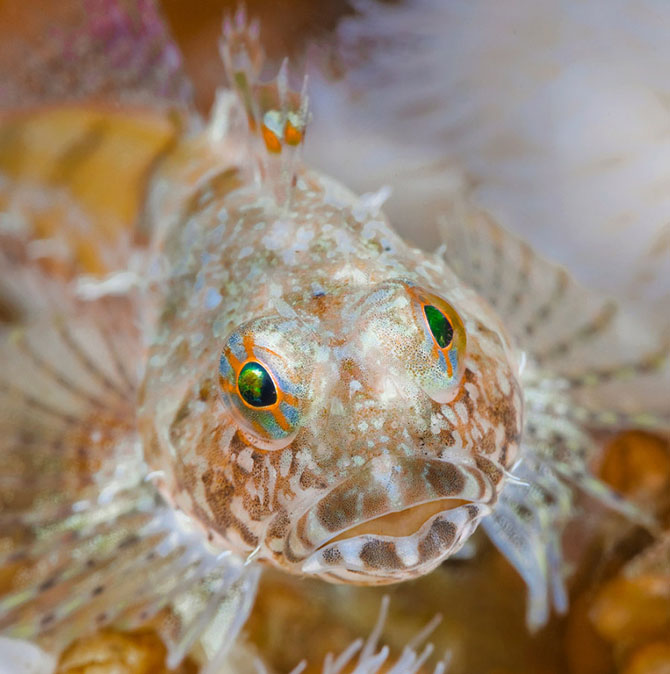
column 195, row 436
column 211, row 475
column 219, row 493
column 498, row 408
column 279, row 526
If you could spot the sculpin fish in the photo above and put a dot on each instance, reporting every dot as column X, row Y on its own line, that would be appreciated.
column 216, row 358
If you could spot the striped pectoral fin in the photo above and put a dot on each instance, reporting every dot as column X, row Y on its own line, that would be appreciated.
column 67, row 418
column 526, row 526
column 212, row 612
column 546, row 311
column 560, row 324
column 125, row 560
column 568, row 451
column 630, row 394
column 540, row 499
column 88, row 541
column 67, row 392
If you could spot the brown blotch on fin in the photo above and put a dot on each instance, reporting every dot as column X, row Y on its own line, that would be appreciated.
column 490, row 469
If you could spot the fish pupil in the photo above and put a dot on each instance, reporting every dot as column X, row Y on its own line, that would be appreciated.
column 439, row 325
column 256, row 386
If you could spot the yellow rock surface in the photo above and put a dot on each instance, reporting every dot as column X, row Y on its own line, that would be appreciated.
column 109, row 652
column 78, row 175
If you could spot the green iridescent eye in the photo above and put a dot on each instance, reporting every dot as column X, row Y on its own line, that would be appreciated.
column 256, row 386
column 439, row 325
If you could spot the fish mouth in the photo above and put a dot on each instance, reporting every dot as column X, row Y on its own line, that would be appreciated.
column 391, row 521
column 400, row 523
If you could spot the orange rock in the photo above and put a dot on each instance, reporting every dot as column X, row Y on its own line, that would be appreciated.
column 109, row 652
column 652, row 658
column 637, row 464
column 632, row 610
column 586, row 651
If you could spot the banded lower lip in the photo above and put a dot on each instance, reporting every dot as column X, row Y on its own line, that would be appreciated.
column 399, row 523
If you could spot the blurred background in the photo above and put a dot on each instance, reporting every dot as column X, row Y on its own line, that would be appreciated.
column 553, row 116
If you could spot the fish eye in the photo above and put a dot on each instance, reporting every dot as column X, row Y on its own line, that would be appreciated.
column 439, row 360
column 256, row 386
column 440, row 326
column 264, row 380
column 423, row 332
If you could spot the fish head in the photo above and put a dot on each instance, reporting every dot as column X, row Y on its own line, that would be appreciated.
column 349, row 414
column 387, row 415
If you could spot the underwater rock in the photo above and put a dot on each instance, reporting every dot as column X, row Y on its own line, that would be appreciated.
column 111, row 652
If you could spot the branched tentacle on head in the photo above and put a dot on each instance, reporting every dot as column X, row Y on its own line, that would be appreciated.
column 277, row 116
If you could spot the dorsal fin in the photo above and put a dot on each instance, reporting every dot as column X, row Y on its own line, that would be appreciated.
column 276, row 114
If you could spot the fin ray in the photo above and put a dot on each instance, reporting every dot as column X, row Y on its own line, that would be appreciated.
column 597, row 358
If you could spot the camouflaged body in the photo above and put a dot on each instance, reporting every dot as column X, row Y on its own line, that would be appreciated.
column 329, row 285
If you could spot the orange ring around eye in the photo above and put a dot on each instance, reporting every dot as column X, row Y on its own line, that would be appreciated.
column 458, row 340
column 272, row 425
column 282, row 396
column 431, row 318
column 268, row 371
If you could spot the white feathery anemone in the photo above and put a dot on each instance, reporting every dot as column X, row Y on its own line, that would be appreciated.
column 554, row 115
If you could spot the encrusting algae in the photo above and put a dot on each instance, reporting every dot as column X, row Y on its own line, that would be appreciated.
column 221, row 361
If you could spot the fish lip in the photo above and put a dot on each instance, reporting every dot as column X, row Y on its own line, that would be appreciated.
column 439, row 480
column 343, row 560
